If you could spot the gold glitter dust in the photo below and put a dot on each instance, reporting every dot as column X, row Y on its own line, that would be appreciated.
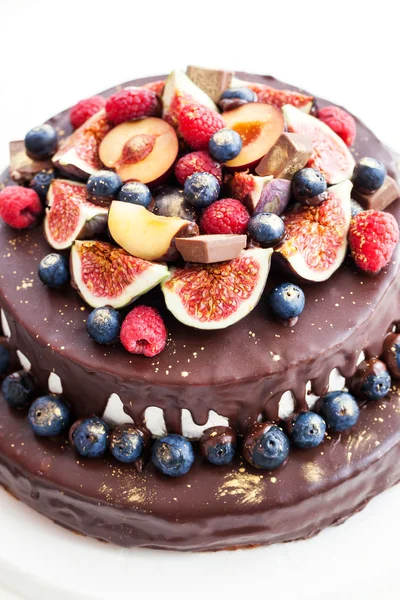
column 312, row 472
column 273, row 480
column 245, row 487
column 184, row 373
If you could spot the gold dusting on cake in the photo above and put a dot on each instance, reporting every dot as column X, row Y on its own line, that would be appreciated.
column 312, row 472
column 244, row 486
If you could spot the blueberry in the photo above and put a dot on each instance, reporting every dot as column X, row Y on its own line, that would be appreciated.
column 355, row 208
column 18, row 389
column 126, row 443
column 135, row 192
column 368, row 175
column 265, row 446
column 49, row 415
column 235, row 97
column 286, row 301
column 173, row 455
column 340, row 410
column 169, row 201
column 41, row 183
column 376, row 385
column 218, row 445
column 104, row 184
column 54, row 270
column 89, row 437
column 41, row 142
column 225, row 145
column 201, row 189
column 267, row 228
column 5, row 359
column 104, row 324
column 308, row 187
column 308, row 430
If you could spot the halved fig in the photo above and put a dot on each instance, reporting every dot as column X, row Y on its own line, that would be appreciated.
column 79, row 155
column 108, row 276
column 248, row 188
column 70, row 215
column 178, row 91
column 217, row 295
column 270, row 95
column 316, row 236
column 330, row 154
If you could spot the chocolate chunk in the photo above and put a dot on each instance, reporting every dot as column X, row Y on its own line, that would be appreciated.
column 211, row 81
column 22, row 168
column 290, row 154
column 379, row 200
column 211, row 248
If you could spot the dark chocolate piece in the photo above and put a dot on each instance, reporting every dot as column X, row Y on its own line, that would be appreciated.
column 380, row 199
column 290, row 154
column 211, row 248
column 22, row 167
column 212, row 81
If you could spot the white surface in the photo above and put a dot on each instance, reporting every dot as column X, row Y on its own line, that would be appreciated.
column 340, row 50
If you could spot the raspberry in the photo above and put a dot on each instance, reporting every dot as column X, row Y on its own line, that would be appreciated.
column 197, row 123
column 81, row 112
column 20, row 207
column 197, row 162
column 155, row 86
column 243, row 185
column 132, row 103
column 225, row 216
column 340, row 122
column 373, row 236
column 143, row 331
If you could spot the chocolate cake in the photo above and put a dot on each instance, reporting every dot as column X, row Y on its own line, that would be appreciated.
column 257, row 370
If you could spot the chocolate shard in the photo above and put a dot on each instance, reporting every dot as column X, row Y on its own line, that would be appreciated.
column 211, row 81
column 379, row 200
column 290, row 154
column 22, row 167
column 208, row 249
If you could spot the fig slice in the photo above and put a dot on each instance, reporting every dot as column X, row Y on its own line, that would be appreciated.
column 217, row 295
column 108, row 276
column 267, row 94
column 330, row 154
column 316, row 237
column 179, row 90
column 70, row 215
column 79, row 155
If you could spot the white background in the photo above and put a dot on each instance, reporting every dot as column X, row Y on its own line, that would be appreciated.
column 54, row 53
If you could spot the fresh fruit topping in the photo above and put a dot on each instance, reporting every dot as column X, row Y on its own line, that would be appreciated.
column 146, row 235
column 373, row 236
column 307, row 430
column 201, row 189
column 339, row 410
column 135, row 192
column 368, row 175
column 103, row 186
column 41, row 142
column 156, row 86
column 259, row 126
column 143, row 331
column 18, row 389
column 218, row 445
column 89, row 437
column 291, row 153
column 169, row 201
column 309, row 187
column 390, row 354
column 41, row 183
column 20, row 207
column 225, row 145
column 143, row 150
column 103, row 325
column 79, row 156
column 197, row 123
column 197, row 162
column 180, row 90
column 70, row 215
column 355, row 208
column 330, row 154
column 316, row 236
column 218, row 295
column 208, row 249
column 49, row 415
column 53, row 270
column 371, row 381
column 248, row 188
column 267, row 229
column 275, row 197
column 5, row 359
column 126, row 443
column 340, row 121
column 105, row 275
column 84, row 109
column 173, row 455
column 278, row 98
column 132, row 103
column 265, row 446
column 287, row 301
column 225, row 216
column 235, row 97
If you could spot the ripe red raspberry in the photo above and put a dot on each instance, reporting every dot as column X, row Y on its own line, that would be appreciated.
column 225, row 216
column 143, row 331
column 81, row 112
column 20, row 207
column 197, row 162
column 197, row 123
column 156, row 86
column 340, row 122
column 373, row 237
column 132, row 103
